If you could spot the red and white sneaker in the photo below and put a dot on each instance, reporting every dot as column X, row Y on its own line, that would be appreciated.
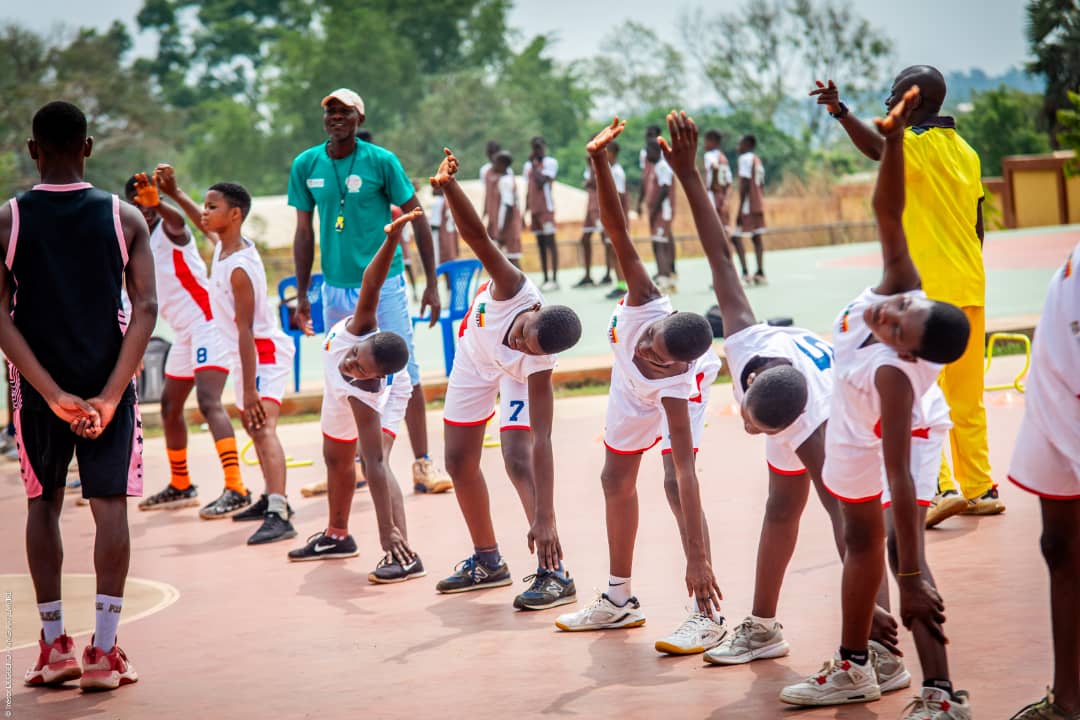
column 106, row 670
column 56, row 663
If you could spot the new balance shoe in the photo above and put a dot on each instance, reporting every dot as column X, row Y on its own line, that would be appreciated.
column 989, row 503
column 227, row 503
column 56, row 662
column 603, row 614
column 321, row 546
column 171, row 499
column 936, row 704
column 698, row 633
column 273, row 528
column 749, row 641
column 1045, row 709
column 427, row 478
column 889, row 668
column 390, row 570
column 839, row 682
column 943, row 506
column 548, row 590
column 106, row 670
column 257, row 511
column 471, row 574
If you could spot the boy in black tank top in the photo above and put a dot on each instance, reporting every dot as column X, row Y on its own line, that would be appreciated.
column 68, row 250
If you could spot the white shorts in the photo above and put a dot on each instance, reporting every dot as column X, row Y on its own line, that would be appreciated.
column 339, row 424
column 270, row 381
column 1039, row 467
column 781, row 459
column 858, row 474
column 631, row 427
column 200, row 346
column 470, row 398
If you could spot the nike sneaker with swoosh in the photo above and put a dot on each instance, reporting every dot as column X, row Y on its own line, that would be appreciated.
column 390, row 570
column 603, row 614
column 321, row 546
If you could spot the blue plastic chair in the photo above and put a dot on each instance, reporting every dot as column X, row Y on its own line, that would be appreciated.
column 461, row 277
column 315, row 291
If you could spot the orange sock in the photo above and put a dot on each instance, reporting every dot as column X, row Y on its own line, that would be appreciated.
column 230, row 463
column 178, row 469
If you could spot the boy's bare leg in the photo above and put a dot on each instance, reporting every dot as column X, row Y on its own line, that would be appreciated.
column 779, row 533
column 586, row 253
column 619, row 478
column 864, row 569
column 740, row 250
column 269, row 451
column 464, row 445
column 340, row 459
column 1061, row 548
column 209, row 386
column 173, row 396
column 112, row 544
column 759, row 253
column 416, row 422
column 44, row 546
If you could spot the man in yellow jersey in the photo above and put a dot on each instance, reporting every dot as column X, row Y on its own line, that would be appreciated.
column 944, row 225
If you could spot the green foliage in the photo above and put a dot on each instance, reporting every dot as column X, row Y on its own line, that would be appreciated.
column 1053, row 32
column 1003, row 122
column 1069, row 134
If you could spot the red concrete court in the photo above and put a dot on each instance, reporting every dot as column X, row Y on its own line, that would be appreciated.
column 251, row 636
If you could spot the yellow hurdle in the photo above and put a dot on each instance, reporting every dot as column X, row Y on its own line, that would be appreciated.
column 289, row 461
column 994, row 338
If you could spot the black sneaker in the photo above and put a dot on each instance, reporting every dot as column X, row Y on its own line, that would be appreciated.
column 606, row 280
column 584, row 282
column 471, row 574
column 274, row 528
column 616, row 293
column 170, row 499
column 390, row 570
column 548, row 590
column 321, row 546
column 258, row 510
column 226, row 504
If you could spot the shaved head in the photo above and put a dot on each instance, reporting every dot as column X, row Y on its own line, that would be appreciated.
column 931, row 89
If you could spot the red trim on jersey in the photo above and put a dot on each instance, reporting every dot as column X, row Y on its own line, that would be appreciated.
column 1044, row 496
column 923, row 433
column 853, row 501
column 515, row 427
column 474, row 423
column 920, row 503
column 188, row 281
column 697, row 398
column 266, row 350
column 778, row 471
column 632, row 452
column 212, row 367
column 667, row 451
column 13, row 238
column 465, row 320
column 338, row 440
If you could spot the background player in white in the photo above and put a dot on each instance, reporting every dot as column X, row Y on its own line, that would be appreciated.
column 264, row 364
column 664, row 366
column 717, row 173
column 507, row 346
column 1046, row 461
column 199, row 357
column 782, row 379
column 888, row 414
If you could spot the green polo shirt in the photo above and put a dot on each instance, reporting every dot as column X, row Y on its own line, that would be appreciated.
column 371, row 180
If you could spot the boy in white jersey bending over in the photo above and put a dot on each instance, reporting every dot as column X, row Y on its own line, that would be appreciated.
column 1046, row 461
column 199, row 356
column 262, row 353
column 889, row 418
column 507, row 347
column 365, row 399
column 783, row 382
column 664, row 367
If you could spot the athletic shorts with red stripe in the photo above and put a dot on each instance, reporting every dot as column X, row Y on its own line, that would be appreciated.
column 633, row 426
column 470, row 400
column 109, row 465
column 857, row 474
column 273, row 370
column 1041, row 467
column 198, row 347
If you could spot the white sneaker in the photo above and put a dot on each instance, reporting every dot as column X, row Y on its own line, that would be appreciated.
column 698, row 633
column 890, row 670
column 602, row 614
column 749, row 641
column 839, row 682
column 936, row 704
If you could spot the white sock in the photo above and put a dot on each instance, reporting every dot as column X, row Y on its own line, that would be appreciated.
column 618, row 589
column 107, row 620
column 767, row 622
column 277, row 504
column 52, row 620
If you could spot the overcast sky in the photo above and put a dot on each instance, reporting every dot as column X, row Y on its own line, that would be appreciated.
column 951, row 34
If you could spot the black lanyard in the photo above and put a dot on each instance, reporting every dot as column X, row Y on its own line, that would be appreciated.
column 339, row 225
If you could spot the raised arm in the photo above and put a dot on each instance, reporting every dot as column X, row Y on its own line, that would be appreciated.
column 899, row 273
column 681, row 154
column 863, row 136
column 146, row 192
column 165, row 179
column 363, row 319
column 429, row 301
column 507, row 279
column 640, row 287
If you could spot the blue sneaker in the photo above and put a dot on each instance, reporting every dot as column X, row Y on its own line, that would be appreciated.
column 471, row 574
column 548, row 590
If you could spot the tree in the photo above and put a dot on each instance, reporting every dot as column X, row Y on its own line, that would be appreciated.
column 637, row 71
column 1053, row 32
column 1069, row 122
column 768, row 51
column 1002, row 122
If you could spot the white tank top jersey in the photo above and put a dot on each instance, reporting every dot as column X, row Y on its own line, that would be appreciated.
column 483, row 330
column 856, row 407
column 716, row 163
column 270, row 340
column 339, row 341
column 1053, row 387
column 182, row 286
column 807, row 353
column 625, row 329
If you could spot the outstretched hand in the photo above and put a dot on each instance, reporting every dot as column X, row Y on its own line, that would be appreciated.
column 402, row 220
column 605, row 136
column 146, row 194
column 681, row 154
column 827, row 95
column 165, row 179
column 897, row 119
column 447, row 169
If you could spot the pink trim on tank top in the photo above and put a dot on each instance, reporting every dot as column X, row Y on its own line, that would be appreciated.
column 119, row 228
column 14, row 237
column 65, row 187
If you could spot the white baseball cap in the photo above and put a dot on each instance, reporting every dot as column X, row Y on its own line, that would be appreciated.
column 346, row 97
